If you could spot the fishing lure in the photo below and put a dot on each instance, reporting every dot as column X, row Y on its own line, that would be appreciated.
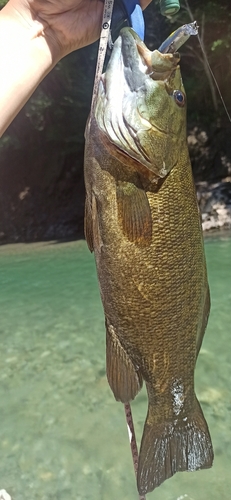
column 178, row 38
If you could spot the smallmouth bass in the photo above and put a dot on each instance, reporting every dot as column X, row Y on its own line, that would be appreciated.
column 142, row 221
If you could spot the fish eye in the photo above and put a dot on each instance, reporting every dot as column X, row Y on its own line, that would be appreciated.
column 179, row 98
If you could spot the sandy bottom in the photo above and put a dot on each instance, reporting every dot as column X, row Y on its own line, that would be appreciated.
column 62, row 435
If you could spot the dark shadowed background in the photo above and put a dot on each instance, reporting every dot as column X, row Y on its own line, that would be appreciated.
column 41, row 154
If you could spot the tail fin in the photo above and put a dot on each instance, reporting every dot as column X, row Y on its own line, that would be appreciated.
column 169, row 447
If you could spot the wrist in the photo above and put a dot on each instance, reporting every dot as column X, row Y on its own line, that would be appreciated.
column 25, row 59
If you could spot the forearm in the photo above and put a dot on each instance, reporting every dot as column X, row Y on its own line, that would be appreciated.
column 25, row 58
column 34, row 36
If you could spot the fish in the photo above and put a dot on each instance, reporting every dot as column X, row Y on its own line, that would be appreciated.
column 143, row 224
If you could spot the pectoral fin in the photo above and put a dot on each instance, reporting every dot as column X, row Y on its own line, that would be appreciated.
column 124, row 379
column 134, row 213
column 91, row 224
column 88, row 225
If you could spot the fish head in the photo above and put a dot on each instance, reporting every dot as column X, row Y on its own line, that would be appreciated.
column 141, row 104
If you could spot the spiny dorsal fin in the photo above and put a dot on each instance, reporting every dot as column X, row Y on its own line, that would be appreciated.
column 134, row 213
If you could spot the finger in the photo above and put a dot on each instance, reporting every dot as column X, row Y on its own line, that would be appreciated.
column 144, row 3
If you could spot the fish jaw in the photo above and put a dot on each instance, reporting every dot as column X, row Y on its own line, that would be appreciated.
column 137, row 111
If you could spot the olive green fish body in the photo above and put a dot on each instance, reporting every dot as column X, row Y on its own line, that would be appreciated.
column 143, row 224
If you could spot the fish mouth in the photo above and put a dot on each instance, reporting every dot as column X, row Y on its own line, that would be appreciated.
column 128, row 95
column 151, row 64
column 158, row 66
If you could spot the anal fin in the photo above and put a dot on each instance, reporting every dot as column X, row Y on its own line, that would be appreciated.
column 124, row 379
column 134, row 213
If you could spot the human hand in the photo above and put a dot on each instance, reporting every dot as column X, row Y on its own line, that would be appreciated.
column 34, row 36
column 67, row 25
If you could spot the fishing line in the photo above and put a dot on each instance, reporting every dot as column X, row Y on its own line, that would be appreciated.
column 213, row 77
column 207, row 62
column 132, row 439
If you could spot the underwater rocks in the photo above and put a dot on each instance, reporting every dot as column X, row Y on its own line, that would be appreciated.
column 215, row 204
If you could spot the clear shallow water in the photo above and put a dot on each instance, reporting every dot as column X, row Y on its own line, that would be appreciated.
column 62, row 435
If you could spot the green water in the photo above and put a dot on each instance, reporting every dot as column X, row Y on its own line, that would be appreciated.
column 62, row 435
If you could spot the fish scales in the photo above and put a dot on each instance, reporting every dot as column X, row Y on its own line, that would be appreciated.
column 143, row 224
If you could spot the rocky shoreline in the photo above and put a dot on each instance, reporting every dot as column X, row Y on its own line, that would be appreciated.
column 23, row 225
column 210, row 153
column 42, row 196
column 214, row 199
column 215, row 204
